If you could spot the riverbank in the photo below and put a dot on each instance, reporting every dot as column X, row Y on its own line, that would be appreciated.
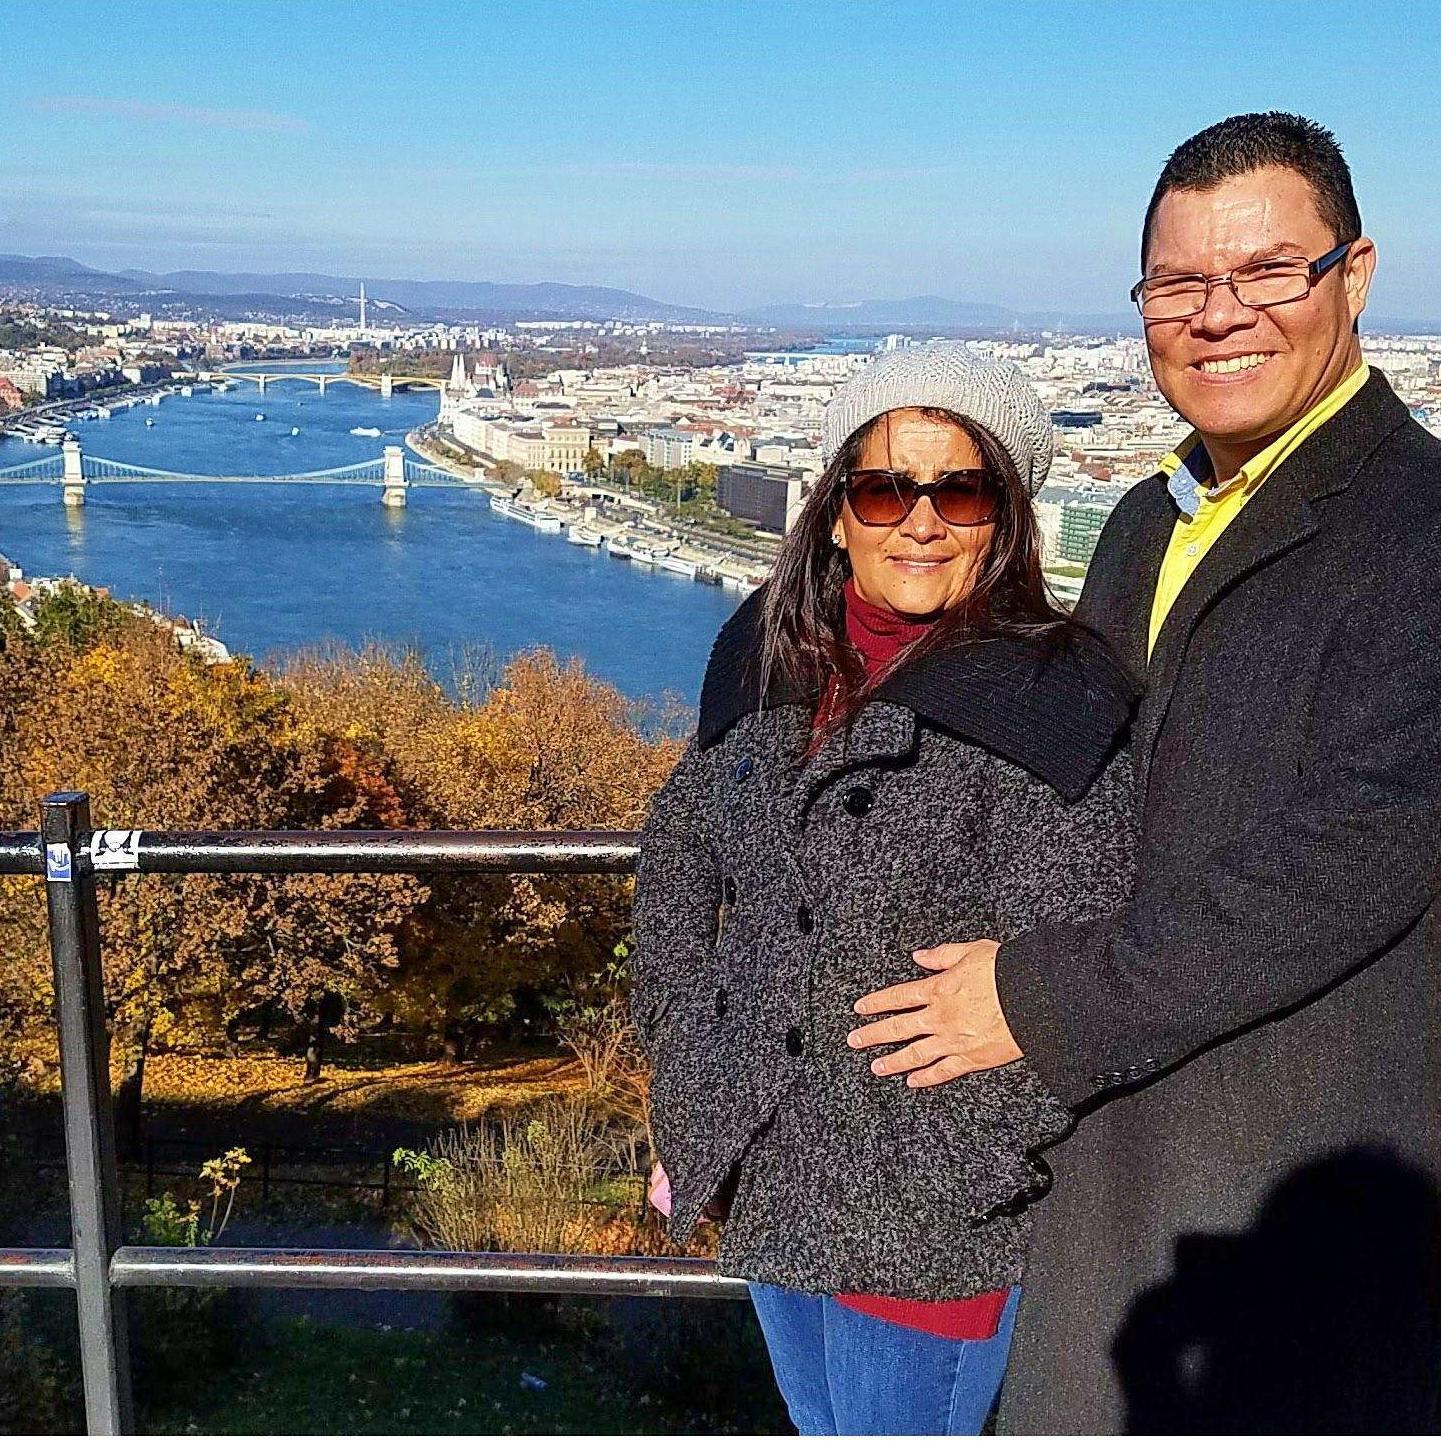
column 626, row 528
column 44, row 423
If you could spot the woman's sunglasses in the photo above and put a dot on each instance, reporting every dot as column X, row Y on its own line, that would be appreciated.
column 887, row 497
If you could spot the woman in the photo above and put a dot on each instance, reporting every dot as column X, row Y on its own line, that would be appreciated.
column 901, row 743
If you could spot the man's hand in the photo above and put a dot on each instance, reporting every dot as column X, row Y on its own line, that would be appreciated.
column 952, row 1020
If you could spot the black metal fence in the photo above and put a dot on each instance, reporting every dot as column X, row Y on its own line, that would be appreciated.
column 98, row 1267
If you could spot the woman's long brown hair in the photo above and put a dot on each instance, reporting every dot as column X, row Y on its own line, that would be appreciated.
column 805, row 635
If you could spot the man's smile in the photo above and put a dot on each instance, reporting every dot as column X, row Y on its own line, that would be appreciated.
column 1231, row 367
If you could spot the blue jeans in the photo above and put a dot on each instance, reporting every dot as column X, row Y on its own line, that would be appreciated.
column 843, row 1373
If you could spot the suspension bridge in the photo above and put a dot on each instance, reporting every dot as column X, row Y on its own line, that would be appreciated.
column 75, row 472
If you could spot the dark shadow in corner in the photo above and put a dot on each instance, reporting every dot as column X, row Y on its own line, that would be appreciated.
column 1323, row 1318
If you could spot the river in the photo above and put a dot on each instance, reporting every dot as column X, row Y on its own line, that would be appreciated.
column 273, row 569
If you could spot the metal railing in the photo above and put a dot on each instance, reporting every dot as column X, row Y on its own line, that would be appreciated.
column 98, row 1267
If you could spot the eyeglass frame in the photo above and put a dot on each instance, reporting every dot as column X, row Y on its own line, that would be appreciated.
column 1315, row 269
column 923, row 492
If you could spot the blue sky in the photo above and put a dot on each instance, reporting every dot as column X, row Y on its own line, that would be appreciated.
column 724, row 154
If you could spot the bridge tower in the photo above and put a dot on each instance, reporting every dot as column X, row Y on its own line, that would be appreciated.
column 260, row 380
column 324, row 381
column 387, row 385
column 395, row 482
column 73, row 483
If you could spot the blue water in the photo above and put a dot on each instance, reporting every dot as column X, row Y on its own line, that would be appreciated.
column 276, row 568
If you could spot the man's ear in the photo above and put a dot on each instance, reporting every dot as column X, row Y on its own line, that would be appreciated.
column 1360, row 270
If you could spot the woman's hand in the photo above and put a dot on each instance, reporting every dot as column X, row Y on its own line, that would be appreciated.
column 658, row 1193
column 952, row 1021
column 658, row 1189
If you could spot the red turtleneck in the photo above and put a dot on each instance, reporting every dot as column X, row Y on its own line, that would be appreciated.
column 880, row 635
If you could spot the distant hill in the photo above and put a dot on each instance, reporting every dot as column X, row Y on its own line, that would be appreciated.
column 545, row 301
column 59, row 272
column 542, row 301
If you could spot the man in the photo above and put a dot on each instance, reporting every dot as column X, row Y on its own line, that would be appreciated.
column 1244, row 1232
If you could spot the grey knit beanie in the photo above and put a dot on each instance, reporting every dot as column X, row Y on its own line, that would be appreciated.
column 947, row 375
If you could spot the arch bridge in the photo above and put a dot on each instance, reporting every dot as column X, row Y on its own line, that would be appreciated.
column 386, row 383
column 74, row 472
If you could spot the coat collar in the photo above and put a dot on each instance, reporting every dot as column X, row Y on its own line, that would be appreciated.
column 1280, row 516
column 1058, row 716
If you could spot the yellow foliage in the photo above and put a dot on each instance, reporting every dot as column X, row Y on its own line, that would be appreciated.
column 100, row 666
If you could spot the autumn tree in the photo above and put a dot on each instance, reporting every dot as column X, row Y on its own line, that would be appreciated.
column 548, row 748
column 159, row 738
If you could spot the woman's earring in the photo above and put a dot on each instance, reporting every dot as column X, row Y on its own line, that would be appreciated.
column 835, row 538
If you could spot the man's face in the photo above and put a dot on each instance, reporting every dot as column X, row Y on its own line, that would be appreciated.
column 1239, row 375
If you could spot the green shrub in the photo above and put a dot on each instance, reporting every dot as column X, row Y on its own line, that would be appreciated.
column 180, row 1333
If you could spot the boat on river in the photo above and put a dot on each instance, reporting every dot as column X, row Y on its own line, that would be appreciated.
column 582, row 535
column 529, row 515
column 653, row 555
column 41, row 432
column 676, row 565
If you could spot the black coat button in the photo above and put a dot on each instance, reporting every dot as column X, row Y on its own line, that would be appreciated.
column 722, row 1002
column 729, row 890
column 795, row 1042
column 744, row 766
column 859, row 800
column 805, row 921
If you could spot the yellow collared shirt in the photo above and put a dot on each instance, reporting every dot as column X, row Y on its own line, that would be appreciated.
column 1194, row 535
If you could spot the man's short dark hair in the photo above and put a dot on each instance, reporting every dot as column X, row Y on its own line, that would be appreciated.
column 1243, row 143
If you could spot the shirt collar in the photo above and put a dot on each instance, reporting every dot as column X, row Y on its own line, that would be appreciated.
column 1189, row 470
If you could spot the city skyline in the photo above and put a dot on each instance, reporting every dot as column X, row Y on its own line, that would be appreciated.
column 720, row 156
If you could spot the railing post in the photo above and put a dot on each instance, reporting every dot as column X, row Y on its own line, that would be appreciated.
column 89, row 1119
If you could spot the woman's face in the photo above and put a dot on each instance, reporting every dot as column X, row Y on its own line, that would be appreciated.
column 921, row 566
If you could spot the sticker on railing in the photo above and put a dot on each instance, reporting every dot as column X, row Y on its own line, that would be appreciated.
column 115, row 850
column 57, row 862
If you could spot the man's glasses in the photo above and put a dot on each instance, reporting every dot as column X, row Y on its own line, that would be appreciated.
column 1256, row 286
column 887, row 497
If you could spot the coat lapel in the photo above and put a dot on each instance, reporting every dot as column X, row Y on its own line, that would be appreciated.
column 1117, row 599
column 1277, row 519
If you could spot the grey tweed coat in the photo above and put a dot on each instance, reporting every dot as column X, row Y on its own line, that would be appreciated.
column 980, row 792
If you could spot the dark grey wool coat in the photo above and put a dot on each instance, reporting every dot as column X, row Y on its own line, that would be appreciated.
column 977, row 794
column 1244, row 1234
